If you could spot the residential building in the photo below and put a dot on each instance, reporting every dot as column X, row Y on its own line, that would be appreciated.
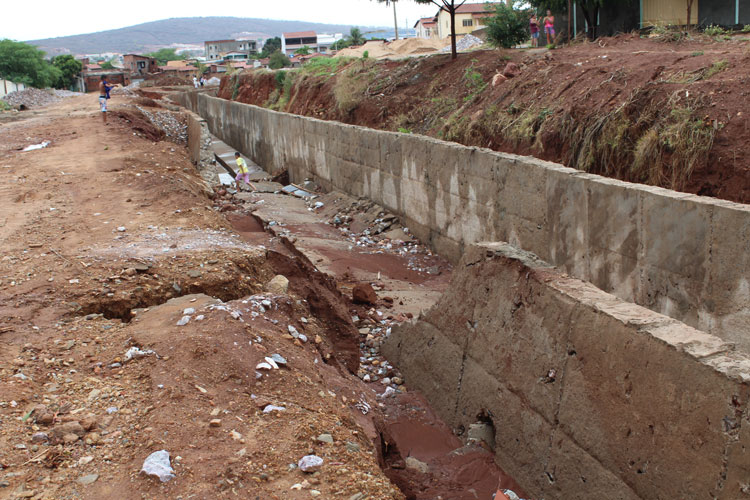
column 90, row 79
column 290, row 42
column 469, row 17
column 326, row 41
column 427, row 28
column 215, row 50
column 140, row 65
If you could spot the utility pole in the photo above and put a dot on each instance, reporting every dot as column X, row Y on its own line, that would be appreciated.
column 570, row 13
column 395, row 19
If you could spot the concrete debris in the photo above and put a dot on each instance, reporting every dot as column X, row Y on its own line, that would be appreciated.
column 173, row 124
column 310, row 463
column 34, row 98
column 465, row 43
column 157, row 464
column 88, row 479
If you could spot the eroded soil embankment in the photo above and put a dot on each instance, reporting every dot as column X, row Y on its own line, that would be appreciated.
column 642, row 110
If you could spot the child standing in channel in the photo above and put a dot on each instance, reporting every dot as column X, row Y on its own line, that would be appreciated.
column 242, row 171
column 534, row 28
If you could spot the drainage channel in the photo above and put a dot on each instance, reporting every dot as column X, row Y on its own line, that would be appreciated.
column 391, row 277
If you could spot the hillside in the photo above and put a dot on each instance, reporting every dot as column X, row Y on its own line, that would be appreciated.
column 640, row 110
column 148, row 36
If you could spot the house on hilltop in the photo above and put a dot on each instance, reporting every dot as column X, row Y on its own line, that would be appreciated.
column 216, row 50
column 426, row 28
column 316, row 42
column 140, row 65
column 469, row 17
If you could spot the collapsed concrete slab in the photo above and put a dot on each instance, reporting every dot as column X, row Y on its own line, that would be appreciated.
column 591, row 397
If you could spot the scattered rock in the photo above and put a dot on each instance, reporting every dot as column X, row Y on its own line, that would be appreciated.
column 310, row 463
column 194, row 273
column 279, row 359
column 270, row 408
column 157, row 464
column 188, row 311
column 498, row 79
column 414, row 464
column 279, row 285
column 39, row 437
column 85, row 460
column 352, row 447
column 363, row 293
column 215, row 422
column 325, row 438
column 511, row 70
column 183, row 321
column 88, row 479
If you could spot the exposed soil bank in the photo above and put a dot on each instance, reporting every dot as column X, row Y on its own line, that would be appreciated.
column 641, row 110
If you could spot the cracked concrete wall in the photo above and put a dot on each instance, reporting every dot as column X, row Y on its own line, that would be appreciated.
column 681, row 255
column 591, row 397
column 199, row 147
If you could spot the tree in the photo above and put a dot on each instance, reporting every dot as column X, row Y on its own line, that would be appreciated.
column 24, row 63
column 162, row 56
column 341, row 44
column 355, row 37
column 69, row 68
column 303, row 51
column 271, row 46
column 107, row 65
column 508, row 27
column 279, row 60
column 689, row 12
column 449, row 6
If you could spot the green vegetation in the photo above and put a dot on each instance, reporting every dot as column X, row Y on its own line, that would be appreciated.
column 713, row 30
column 508, row 27
column 271, row 46
column 351, row 84
column 366, row 54
column 163, row 56
column 279, row 60
column 715, row 68
column 69, row 69
column 356, row 37
column 404, row 130
column 745, row 28
column 319, row 66
column 4, row 106
column 697, row 53
column 24, row 63
column 303, row 51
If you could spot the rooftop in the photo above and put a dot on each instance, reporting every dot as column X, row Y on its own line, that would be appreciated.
column 300, row 34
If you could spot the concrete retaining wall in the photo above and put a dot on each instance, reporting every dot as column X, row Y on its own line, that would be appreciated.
column 591, row 397
column 680, row 255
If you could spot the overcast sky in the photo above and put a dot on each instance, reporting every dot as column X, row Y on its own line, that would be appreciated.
column 51, row 18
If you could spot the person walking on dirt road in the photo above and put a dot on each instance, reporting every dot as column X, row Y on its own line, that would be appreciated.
column 104, row 89
column 242, row 171
column 549, row 26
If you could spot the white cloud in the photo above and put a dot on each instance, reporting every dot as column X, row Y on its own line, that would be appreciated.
column 51, row 18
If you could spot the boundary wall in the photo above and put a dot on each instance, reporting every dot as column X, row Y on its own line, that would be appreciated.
column 678, row 254
column 590, row 397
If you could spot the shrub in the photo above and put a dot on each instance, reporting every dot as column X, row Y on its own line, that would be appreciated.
column 508, row 27
column 713, row 30
column 279, row 60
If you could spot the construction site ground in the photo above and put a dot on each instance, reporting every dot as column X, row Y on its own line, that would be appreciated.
column 142, row 309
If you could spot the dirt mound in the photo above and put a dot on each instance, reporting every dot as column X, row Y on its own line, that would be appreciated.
column 641, row 110
column 396, row 49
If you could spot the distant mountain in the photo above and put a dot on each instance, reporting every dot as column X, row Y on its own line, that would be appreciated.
column 182, row 30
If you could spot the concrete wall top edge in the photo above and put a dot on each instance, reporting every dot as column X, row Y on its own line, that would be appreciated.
column 705, row 200
column 704, row 348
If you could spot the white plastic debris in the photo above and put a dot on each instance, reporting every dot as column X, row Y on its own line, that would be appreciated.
column 41, row 145
column 157, row 464
column 183, row 321
column 188, row 311
column 270, row 408
column 310, row 463
column 135, row 353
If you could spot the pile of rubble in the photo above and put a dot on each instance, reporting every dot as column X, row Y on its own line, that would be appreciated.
column 173, row 127
column 465, row 43
column 128, row 90
column 34, row 98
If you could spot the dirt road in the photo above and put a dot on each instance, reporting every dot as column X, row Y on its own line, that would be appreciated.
column 136, row 317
